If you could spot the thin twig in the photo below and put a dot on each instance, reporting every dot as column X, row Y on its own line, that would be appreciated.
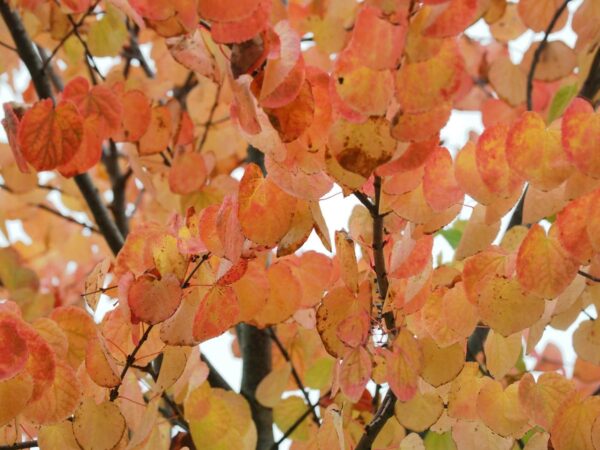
column 114, row 392
column 68, row 35
column 5, row 45
column 538, row 52
column 298, row 422
column 295, row 374
column 588, row 276
column 55, row 212
column 210, row 118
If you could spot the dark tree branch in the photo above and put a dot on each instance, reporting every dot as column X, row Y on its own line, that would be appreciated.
column 255, row 346
column 110, row 157
column 19, row 445
column 133, row 52
column 538, row 52
column 311, row 409
column 180, row 93
column 517, row 217
column 386, row 409
column 29, row 56
column 591, row 85
column 588, row 276
column 295, row 374
column 215, row 379
column 114, row 392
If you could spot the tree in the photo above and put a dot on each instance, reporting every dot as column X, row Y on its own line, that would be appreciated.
column 142, row 241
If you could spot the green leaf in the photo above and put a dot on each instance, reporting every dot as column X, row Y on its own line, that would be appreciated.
column 560, row 101
column 437, row 441
column 454, row 234
column 107, row 36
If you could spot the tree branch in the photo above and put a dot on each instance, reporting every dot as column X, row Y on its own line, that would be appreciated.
column 215, row 379
column 30, row 58
column 118, row 180
column 588, row 276
column 295, row 374
column 538, row 52
column 311, row 409
column 19, row 445
column 591, row 85
column 386, row 409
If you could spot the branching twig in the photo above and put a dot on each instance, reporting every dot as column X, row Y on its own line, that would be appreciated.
column 295, row 374
column 386, row 409
column 55, row 212
column 30, row 58
column 298, row 422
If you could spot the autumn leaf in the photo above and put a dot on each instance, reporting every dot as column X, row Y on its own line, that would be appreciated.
column 50, row 136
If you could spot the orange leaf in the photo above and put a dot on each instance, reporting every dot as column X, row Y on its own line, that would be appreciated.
column 468, row 176
column 542, row 400
column 100, row 101
column 100, row 365
column 493, row 167
column 451, row 18
column 337, row 306
column 59, row 400
column 581, row 136
column 372, row 26
column 50, row 136
column 422, row 125
column 361, row 148
column 423, row 85
column 537, row 14
column 419, row 413
column 98, row 426
column 136, row 116
column 261, row 222
column 571, row 224
column 286, row 68
column 572, row 426
column 158, row 134
column 244, row 29
column 505, row 307
column 188, row 173
column 535, row 153
column 586, row 341
column 292, row 119
column 355, row 372
column 404, row 365
column 344, row 247
column 543, row 267
column 154, row 300
column 272, row 386
column 14, row 354
column 227, row 10
column 439, row 185
column 15, row 394
column 90, row 150
column 500, row 409
column 218, row 311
